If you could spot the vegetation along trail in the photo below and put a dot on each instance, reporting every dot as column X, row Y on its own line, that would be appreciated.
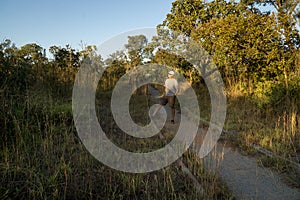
column 242, row 174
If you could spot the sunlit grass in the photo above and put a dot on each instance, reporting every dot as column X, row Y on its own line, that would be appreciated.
column 274, row 129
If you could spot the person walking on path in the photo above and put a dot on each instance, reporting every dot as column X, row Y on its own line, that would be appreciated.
column 171, row 90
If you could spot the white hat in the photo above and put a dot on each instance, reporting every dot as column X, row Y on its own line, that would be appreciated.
column 171, row 72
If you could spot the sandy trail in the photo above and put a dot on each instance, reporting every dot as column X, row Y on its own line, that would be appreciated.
column 242, row 174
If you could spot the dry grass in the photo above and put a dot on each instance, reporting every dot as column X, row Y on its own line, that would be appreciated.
column 43, row 158
column 275, row 129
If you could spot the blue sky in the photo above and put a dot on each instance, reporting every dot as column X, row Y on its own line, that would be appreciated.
column 62, row 22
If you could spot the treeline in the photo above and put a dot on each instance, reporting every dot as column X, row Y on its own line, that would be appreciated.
column 256, row 51
column 27, row 67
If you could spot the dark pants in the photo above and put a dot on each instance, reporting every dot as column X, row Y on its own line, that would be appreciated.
column 168, row 100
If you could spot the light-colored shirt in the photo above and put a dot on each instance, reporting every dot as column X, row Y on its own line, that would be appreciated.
column 171, row 86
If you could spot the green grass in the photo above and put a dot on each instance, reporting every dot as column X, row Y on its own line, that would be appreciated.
column 43, row 158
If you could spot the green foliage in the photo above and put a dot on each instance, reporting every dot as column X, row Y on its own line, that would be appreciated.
column 136, row 51
column 247, row 45
column 276, row 94
column 19, row 68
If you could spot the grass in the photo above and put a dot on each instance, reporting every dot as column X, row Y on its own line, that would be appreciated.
column 41, row 157
column 275, row 129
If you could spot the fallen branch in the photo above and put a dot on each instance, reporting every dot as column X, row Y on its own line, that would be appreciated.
column 271, row 154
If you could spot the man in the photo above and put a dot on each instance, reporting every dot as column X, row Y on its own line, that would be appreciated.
column 171, row 90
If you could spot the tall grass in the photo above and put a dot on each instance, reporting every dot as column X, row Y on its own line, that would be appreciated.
column 275, row 128
column 43, row 158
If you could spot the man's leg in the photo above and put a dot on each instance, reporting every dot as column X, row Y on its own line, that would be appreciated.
column 163, row 102
column 173, row 113
column 171, row 101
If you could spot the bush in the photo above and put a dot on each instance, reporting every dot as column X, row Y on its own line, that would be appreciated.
column 277, row 94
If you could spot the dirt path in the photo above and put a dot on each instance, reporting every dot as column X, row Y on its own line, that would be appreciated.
column 245, row 177
column 242, row 174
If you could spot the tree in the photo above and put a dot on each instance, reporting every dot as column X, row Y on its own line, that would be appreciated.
column 64, row 66
column 21, row 68
column 187, row 15
column 135, row 50
column 33, row 56
column 114, row 70
column 244, row 42
column 287, row 15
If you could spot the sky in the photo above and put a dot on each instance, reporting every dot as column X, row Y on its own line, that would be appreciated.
column 79, row 22
column 62, row 22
